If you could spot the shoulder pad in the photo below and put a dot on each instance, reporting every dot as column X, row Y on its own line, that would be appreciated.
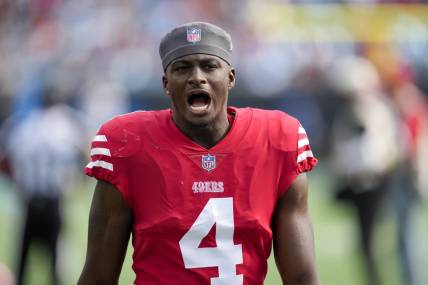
column 121, row 135
column 282, row 130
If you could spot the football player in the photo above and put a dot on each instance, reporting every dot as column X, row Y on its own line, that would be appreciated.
column 204, row 188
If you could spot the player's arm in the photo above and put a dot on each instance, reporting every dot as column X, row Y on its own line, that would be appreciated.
column 293, row 236
column 110, row 225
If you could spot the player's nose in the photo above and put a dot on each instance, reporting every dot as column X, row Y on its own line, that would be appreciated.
column 197, row 76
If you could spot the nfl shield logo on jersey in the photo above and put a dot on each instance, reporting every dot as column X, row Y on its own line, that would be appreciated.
column 193, row 35
column 208, row 162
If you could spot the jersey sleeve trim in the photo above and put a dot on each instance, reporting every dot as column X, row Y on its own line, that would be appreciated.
column 100, row 151
column 103, row 166
column 100, row 163
column 100, row 138
column 305, row 158
column 300, row 160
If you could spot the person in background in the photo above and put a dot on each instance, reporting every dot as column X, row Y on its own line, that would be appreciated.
column 366, row 148
column 410, row 183
column 43, row 152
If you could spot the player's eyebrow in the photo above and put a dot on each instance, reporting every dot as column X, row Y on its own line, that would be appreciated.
column 210, row 60
column 182, row 61
column 199, row 60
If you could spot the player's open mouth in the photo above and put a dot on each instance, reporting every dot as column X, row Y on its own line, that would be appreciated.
column 199, row 102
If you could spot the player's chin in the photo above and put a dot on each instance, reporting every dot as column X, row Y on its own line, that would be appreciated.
column 200, row 121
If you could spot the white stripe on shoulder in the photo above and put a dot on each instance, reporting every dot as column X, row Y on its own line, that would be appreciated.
column 100, row 151
column 301, row 130
column 304, row 155
column 100, row 138
column 100, row 163
column 302, row 142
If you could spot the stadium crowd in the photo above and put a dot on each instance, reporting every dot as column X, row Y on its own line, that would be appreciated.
column 88, row 47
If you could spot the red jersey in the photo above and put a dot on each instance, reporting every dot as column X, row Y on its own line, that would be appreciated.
column 201, row 216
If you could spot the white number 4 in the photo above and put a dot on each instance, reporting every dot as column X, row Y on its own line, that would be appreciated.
column 218, row 212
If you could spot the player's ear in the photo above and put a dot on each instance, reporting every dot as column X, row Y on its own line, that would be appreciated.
column 165, row 85
column 232, row 78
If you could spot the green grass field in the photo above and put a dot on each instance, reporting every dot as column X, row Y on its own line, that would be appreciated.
column 336, row 236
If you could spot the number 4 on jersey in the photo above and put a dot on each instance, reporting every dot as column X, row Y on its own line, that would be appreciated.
column 218, row 212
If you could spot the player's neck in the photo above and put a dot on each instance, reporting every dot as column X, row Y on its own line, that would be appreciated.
column 206, row 136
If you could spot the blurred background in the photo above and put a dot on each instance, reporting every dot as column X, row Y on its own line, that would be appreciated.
column 355, row 73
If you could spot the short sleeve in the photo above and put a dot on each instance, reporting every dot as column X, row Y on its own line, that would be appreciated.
column 305, row 160
column 297, row 155
column 106, row 162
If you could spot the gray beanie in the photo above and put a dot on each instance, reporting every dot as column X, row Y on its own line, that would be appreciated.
column 195, row 37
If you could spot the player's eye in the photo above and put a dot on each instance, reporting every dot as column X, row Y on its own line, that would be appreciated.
column 210, row 66
column 180, row 67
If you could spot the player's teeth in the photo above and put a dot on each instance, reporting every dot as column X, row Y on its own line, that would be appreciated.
column 199, row 108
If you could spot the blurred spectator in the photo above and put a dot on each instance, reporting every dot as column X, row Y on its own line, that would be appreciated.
column 410, row 178
column 365, row 151
column 101, row 101
column 118, row 37
column 410, row 181
column 43, row 152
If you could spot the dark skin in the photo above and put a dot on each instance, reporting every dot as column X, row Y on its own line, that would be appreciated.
column 293, row 238
column 204, row 73
column 110, row 221
column 110, row 225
